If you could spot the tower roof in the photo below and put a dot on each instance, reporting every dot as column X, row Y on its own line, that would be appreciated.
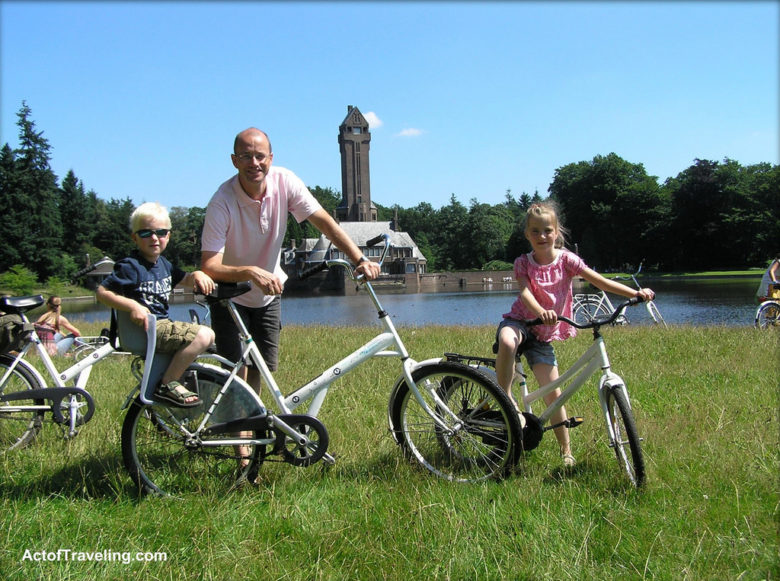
column 354, row 118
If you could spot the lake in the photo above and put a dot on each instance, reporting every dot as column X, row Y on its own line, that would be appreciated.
column 727, row 301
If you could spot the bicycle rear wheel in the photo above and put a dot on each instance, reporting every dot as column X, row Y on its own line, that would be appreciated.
column 768, row 315
column 587, row 310
column 627, row 442
column 18, row 429
column 165, row 457
column 481, row 442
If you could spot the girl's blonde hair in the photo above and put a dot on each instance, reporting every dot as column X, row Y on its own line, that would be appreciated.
column 149, row 210
column 548, row 208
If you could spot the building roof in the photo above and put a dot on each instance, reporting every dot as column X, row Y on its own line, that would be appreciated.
column 362, row 232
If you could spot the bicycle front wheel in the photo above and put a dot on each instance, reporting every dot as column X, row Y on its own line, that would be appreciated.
column 587, row 310
column 477, row 437
column 768, row 315
column 165, row 456
column 626, row 441
column 18, row 429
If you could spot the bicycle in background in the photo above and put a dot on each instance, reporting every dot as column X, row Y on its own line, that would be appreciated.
column 768, row 312
column 586, row 307
column 27, row 394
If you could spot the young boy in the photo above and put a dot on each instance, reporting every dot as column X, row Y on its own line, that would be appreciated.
column 141, row 284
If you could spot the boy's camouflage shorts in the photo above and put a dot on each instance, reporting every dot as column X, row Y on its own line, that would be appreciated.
column 173, row 335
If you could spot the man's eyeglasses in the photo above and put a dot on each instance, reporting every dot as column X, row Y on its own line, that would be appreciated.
column 245, row 157
column 146, row 233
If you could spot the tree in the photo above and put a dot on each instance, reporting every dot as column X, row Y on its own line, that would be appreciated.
column 77, row 213
column 453, row 226
column 727, row 215
column 186, row 229
column 112, row 228
column 606, row 204
column 487, row 233
column 36, row 194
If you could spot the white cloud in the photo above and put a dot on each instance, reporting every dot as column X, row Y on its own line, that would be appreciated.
column 373, row 120
column 410, row 132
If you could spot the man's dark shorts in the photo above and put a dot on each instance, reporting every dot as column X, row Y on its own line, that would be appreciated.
column 263, row 323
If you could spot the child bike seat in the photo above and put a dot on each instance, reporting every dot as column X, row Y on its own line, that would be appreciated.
column 136, row 341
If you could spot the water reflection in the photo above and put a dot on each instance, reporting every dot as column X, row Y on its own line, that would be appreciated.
column 726, row 301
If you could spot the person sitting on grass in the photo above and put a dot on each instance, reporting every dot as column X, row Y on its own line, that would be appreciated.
column 141, row 284
column 52, row 327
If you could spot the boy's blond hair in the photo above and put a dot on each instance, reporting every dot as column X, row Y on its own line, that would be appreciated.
column 149, row 210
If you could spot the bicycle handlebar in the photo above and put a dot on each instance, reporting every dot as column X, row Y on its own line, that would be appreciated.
column 596, row 321
column 227, row 290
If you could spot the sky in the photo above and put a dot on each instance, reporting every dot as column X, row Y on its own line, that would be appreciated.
column 142, row 100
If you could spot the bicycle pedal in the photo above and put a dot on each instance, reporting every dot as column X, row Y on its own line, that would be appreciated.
column 570, row 423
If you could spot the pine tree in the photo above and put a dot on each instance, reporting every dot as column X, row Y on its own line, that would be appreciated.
column 34, row 196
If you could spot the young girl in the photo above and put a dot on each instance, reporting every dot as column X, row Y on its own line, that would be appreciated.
column 544, row 276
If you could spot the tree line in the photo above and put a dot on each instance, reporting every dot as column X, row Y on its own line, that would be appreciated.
column 712, row 215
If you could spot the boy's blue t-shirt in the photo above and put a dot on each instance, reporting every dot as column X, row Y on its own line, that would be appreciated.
column 149, row 284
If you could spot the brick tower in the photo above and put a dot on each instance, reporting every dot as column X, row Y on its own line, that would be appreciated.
column 354, row 143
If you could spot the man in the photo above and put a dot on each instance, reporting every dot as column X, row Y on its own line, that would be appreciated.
column 245, row 224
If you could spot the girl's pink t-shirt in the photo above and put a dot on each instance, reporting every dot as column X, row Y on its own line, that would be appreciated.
column 551, row 286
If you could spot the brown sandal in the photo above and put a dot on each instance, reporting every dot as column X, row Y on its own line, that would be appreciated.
column 174, row 393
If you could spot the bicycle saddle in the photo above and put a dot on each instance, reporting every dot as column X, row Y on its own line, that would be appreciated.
column 20, row 304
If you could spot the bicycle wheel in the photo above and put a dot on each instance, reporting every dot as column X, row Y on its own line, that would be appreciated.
column 480, row 443
column 588, row 310
column 656, row 314
column 163, row 454
column 626, row 443
column 18, row 429
column 768, row 315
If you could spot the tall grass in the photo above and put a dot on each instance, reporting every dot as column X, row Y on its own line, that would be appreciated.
column 706, row 403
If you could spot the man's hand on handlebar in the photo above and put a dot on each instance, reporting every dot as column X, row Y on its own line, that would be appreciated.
column 368, row 269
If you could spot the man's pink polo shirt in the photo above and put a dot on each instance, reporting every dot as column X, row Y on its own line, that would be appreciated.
column 250, row 233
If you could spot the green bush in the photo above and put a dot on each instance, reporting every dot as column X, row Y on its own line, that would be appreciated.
column 19, row 280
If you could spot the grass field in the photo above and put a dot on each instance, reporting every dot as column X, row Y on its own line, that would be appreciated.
column 705, row 400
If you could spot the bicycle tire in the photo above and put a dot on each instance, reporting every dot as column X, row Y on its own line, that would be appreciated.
column 588, row 310
column 626, row 444
column 18, row 429
column 768, row 315
column 482, row 444
column 161, row 460
column 656, row 314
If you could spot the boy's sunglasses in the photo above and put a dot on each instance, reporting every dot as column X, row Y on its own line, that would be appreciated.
column 146, row 233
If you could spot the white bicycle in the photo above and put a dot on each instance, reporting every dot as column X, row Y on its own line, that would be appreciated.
column 621, row 432
column 452, row 419
column 586, row 307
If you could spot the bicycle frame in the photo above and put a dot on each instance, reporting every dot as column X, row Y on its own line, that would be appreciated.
column 78, row 373
column 386, row 344
column 594, row 358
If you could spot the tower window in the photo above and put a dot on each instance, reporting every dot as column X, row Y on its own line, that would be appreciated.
column 356, row 130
